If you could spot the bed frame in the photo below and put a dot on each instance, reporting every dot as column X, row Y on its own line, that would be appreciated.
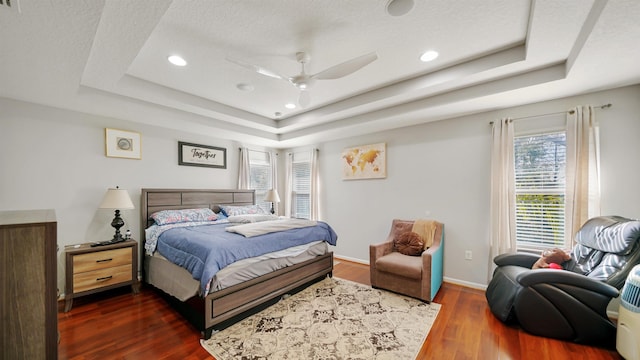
column 229, row 303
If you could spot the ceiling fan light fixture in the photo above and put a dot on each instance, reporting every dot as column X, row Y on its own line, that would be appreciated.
column 177, row 60
column 302, row 82
column 399, row 7
column 429, row 55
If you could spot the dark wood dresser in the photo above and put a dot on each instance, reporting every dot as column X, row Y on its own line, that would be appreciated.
column 28, row 263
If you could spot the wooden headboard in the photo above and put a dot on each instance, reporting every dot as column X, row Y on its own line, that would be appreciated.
column 153, row 200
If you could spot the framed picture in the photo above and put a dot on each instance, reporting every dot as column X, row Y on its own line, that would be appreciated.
column 201, row 155
column 364, row 162
column 122, row 144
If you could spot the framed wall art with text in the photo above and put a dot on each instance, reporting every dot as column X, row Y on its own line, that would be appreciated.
column 201, row 155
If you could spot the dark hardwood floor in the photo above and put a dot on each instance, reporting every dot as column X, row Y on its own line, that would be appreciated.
column 119, row 325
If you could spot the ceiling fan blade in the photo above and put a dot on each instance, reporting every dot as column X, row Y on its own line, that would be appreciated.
column 346, row 68
column 304, row 99
column 258, row 69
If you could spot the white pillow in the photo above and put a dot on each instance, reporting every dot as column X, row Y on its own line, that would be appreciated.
column 251, row 218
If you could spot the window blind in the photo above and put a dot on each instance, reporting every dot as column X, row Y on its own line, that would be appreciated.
column 540, row 163
column 301, row 186
column 260, row 176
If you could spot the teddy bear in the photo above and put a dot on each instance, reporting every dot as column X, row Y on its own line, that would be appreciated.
column 551, row 259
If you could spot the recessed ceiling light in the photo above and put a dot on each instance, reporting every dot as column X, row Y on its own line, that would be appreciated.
column 177, row 60
column 399, row 7
column 429, row 56
column 245, row 87
column 290, row 106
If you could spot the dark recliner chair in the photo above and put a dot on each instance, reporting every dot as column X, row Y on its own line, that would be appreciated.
column 570, row 304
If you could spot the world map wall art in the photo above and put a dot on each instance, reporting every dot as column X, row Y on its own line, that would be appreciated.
column 364, row 162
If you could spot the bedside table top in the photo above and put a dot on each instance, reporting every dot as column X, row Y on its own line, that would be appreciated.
column 86, row 247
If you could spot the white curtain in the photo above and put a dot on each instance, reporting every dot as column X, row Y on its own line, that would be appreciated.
column 315, row 186
column 502, row 204
column 243, row 169
column 273, row 161
column 288, row 185
column 582, row 198
column 274, row 170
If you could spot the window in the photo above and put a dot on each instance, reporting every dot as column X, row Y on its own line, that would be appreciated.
column 301, row 185
column 540, row 162
column 260, row 176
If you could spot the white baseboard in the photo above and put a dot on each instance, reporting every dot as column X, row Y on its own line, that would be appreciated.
column 347, row 258
column 465, row 283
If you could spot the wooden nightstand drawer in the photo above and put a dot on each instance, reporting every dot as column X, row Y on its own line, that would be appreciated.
column 101, row 260
column 99, row 278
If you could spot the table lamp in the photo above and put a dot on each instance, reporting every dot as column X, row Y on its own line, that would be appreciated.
column 117, row 199
column 272, row 196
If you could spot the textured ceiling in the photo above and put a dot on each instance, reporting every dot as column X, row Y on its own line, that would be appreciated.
column 110, row 58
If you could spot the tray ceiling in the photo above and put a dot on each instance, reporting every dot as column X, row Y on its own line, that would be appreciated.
column 110, row 58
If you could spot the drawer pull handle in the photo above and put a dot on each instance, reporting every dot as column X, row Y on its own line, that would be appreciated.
column 103, row 260
column 104, row 278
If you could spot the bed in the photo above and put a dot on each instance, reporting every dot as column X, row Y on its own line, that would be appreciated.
column 227, row 299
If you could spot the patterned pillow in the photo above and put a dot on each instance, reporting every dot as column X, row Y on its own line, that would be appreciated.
column 231, row 210
column 165, row 217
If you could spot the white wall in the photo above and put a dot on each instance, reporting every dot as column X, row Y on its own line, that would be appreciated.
column 52, row 158
column 55, row 159
column 440, row 170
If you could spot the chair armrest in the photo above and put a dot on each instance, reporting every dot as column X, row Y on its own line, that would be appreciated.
column 428, row 255
column 432, row 250
column 432, row 263
column 379, row 250
column 552, row 276
column 519, row 259
column 376, row 251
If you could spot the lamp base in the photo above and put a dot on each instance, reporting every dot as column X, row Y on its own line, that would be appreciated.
column 273, row 211
column 117, row 239
column 117, row 223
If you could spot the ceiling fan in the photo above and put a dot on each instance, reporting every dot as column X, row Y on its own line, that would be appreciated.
column 304, row 81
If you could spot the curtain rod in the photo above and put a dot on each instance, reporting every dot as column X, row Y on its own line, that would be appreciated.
column 605, row 106
column 240, row 148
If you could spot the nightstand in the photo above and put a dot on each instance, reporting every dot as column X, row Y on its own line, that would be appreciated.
column 91, row 270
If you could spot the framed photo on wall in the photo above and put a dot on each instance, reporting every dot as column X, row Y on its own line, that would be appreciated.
column 122, row 144
column 201, row 155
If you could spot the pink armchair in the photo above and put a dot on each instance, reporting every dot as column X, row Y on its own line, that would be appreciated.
column 416, row 276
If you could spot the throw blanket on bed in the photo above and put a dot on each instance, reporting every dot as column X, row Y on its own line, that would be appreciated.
column 204, row 250
column 266, row 227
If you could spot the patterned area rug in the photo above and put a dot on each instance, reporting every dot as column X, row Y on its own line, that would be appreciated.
column 331, row 319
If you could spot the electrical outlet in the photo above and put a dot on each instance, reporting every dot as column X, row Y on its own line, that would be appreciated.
column 468, row 255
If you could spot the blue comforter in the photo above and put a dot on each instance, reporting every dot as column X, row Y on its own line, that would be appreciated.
column 204, row 250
